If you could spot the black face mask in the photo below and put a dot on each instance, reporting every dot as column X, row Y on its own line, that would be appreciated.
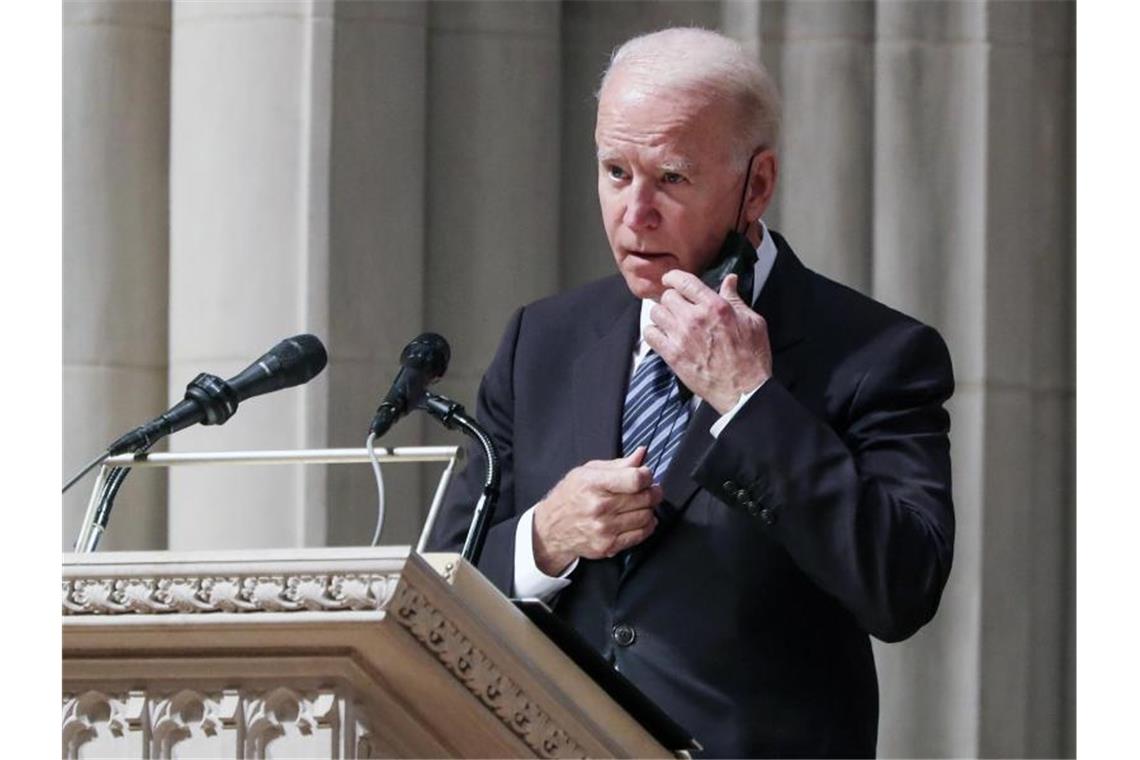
column 737, row 255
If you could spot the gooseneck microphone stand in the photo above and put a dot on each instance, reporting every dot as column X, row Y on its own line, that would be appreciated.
column 454, row 416
column 218, row 401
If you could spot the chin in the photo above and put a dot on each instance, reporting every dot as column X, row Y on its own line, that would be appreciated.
column 642, row 277
column 643, row 287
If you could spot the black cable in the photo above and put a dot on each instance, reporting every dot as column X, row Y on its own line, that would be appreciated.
column 110, row 491
column 96, row 461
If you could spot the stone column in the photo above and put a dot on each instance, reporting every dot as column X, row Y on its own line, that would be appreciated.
column 821, row 55
column 1028, row 576
column 973, row 234
column 493, row 175
column 249, row 256
column 116, row 100
column 376, row 256
column 929, row 261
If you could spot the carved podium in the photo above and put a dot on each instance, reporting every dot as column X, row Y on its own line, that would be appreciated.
column 318, row 653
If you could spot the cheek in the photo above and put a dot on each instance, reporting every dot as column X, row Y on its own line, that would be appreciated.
column 610, row 204
column 699, row 237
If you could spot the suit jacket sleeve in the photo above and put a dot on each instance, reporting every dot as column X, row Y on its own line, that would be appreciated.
column 863, row 504
column 494, row 407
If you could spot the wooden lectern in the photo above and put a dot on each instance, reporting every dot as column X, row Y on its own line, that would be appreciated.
column 318, row 653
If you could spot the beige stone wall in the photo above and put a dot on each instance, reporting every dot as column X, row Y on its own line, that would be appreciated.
column 116, row 137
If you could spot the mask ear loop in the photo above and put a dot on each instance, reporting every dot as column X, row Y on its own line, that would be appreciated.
column 744, row 196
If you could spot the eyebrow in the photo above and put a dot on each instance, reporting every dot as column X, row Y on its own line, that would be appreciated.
column 678, row 165
column 605, row 155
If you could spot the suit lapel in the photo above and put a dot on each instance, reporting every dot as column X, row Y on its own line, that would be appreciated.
column 784, row 303
column 600, row 376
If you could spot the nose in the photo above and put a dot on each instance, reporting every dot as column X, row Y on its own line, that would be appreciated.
column 641, row 211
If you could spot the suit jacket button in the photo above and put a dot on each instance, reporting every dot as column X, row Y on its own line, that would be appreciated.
column 729, row 486
column 624, row 634
column 753, row 508
column 767, row 516
column 742, row 497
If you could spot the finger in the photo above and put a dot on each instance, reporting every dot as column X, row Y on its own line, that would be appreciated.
column 728, row 289
column 660, row 342
column 632, row 459
column 626, row 480
column 663, row 317
column 674, row 301
column 632, row 538
column 647, row 498
column 634, row 519
column 687, row 285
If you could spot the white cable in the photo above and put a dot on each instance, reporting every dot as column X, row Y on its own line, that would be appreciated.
column 379, row 488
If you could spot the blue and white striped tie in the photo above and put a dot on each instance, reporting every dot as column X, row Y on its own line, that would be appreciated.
column 656, row 414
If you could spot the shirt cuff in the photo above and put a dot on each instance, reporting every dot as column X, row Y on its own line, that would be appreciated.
column 726, row 418
column 529, row 580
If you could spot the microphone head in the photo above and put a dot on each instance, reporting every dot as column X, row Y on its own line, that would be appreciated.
column 429, row 353
column 301, row 357
column 291, row 362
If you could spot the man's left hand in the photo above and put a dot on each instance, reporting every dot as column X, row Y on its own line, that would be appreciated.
column 714, row 342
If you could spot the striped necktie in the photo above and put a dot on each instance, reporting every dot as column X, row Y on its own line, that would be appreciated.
column 656, row 414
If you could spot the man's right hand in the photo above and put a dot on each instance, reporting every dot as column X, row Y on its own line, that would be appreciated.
column 598, row 510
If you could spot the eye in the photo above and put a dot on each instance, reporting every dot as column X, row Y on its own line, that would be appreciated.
column 615, row 172
column 672, row 178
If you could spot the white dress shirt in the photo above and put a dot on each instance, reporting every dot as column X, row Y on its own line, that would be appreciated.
column 532, row 582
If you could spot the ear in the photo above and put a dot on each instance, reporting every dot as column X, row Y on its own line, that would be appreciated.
column 762, row 184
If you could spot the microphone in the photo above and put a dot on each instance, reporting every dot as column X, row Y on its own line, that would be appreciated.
column 423, row 361
column 211, row 400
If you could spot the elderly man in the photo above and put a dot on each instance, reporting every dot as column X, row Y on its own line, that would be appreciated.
column 725, row 491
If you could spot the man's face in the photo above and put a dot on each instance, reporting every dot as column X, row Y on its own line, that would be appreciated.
column 667, row 185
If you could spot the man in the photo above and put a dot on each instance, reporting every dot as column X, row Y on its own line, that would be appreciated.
column 729, row 552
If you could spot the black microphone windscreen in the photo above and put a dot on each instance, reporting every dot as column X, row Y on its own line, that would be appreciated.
column 291, row 362
column 302, row 356
column 429, row 353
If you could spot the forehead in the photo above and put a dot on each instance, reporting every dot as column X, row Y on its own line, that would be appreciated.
column 652, row 120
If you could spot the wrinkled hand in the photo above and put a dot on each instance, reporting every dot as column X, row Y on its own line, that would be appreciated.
column 596, row 511
column 714, row 342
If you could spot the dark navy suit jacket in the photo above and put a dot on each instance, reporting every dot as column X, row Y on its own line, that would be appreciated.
column 821, row 514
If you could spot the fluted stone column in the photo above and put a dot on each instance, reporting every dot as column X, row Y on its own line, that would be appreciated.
column 821, row 55
column 973, row 233
column 1027, row 656
column 249, row 255
column 493, row 175
column 116, row 99
column 930, row 257
column 376, row 255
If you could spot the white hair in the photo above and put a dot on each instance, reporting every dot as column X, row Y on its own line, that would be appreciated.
column 690, row 58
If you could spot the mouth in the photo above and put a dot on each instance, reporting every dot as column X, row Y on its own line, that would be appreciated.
column 645, row 254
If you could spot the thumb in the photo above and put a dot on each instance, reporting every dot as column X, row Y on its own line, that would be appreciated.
column 634, row 459
column 728, row 290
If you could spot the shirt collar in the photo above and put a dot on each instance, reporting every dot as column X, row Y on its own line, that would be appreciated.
column 765, row 258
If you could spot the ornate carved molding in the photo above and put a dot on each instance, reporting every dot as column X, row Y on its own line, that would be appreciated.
column 208, row 721
column 90, row 714
column 270, row 715
column 179, row 716
column 482, row 678
column 232, row 593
